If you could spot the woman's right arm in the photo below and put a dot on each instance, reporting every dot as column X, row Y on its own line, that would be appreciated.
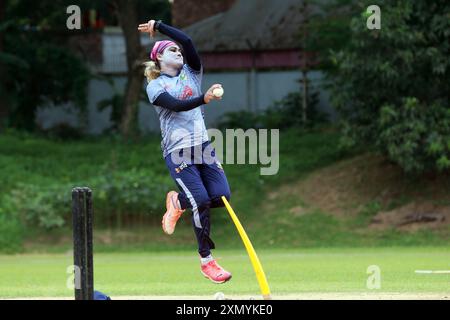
column 192, row 57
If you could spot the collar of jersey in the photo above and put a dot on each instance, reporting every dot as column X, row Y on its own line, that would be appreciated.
column 168, row 75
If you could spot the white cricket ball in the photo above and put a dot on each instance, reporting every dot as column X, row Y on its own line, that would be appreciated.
column 219, row 296
column 218, row 92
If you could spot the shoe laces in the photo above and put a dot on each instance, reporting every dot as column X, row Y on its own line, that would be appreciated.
column 216, row 266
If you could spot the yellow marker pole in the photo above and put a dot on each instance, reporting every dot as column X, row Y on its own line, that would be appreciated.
column 260, row 276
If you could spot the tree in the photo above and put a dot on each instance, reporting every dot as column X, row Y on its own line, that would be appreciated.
column 39, row 68
column 306, row 65
column 128, row 14
column 3, row 103
column 392, row 87
column 324, row 30
column 327, row 30
column 126, row 11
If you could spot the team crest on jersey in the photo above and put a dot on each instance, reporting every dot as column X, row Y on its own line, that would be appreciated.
column 187, row 93
column 181, row 167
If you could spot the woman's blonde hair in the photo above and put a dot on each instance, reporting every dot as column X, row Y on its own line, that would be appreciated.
column 152, row 70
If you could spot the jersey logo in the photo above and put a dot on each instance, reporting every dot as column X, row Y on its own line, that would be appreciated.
column 180, row 168
column 187, row 92
column 183, row 76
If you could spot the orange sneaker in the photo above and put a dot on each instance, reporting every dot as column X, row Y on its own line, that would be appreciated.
column 172, row 214
column 215, row 273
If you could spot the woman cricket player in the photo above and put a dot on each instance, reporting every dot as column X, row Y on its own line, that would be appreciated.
column 174, row 88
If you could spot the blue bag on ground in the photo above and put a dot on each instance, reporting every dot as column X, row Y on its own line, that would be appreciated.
column 100, row 296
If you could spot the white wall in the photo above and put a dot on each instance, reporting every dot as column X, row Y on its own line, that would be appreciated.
column 270, row 87
column 243, row 91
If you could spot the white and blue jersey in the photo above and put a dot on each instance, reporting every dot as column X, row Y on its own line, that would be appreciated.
column 185, row 129
column 179, row 103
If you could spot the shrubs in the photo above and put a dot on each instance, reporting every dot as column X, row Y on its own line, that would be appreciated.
column 136, row 191
column 391, row 87
column 46, row 207
column 131, row 192
column 241, row 119
column 287, row 112
column 129, row 181
column 64, row 131
column 416, row 136
column 41, row 206
column 11, row 232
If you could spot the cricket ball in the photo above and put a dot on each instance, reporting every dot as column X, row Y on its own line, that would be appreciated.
column 219, row 296
column 218, row 92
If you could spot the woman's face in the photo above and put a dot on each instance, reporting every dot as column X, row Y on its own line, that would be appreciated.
column 172, row 57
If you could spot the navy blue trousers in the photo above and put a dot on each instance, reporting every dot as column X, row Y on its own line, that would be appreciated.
column 202, row 183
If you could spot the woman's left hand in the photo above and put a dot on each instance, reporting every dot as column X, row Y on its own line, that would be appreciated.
column 209, row 95
column 148, row 27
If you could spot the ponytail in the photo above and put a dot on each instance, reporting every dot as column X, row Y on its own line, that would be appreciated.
column 152, row 70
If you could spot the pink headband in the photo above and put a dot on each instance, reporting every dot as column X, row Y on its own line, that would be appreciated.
column 159, row 47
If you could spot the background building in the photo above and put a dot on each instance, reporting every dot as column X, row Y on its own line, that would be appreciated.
column 256, row 58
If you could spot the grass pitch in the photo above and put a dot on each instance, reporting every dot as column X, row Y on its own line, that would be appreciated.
column 292, row 274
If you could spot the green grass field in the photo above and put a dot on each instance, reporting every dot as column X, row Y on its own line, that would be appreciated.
column 292, row 274
column 307, row 252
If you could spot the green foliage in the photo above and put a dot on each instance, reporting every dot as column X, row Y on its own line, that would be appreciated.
column 287, row 112
column 400, row 72
column 63, row 131
column 51, row 15
column 326, row 29
column 43, row 71
column 134, row 192
column 41, row 174
column 416, row 136
column 240, row 119
column 129, row 179
column 283, row 114
column 367, row 212
column 43, row 15
column 11, row 232
column 37, row 84
column 41, row 206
